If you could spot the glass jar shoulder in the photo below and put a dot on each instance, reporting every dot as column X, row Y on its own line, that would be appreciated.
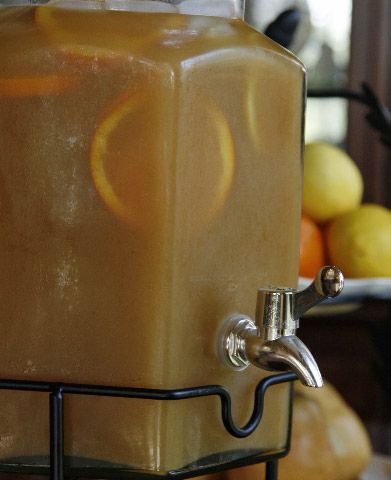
column 171, row 38
column 194, row 38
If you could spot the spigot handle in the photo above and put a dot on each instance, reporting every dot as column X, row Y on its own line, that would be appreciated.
column 279, row 309
column 328, row 283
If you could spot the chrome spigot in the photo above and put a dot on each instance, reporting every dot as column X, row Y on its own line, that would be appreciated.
column 270, row 342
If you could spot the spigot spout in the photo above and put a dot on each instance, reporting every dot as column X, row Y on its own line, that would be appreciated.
column 285, row 353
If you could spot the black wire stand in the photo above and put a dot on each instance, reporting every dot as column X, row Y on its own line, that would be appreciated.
column 57, row 469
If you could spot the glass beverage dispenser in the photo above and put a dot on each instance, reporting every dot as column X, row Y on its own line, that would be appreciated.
column 150, row 163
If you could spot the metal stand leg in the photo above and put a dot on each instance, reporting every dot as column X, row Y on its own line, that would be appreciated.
column 56, row 435
column 271, row 470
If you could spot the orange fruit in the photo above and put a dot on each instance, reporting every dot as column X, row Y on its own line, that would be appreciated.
column 312, row 248
column 37, row 85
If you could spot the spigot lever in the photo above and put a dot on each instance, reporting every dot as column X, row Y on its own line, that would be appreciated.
column 278, row 310
column 328, row 283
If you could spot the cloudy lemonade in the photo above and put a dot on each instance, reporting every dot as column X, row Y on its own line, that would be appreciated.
column 149, row 185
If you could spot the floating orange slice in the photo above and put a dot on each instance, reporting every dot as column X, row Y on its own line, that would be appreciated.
column 129, row 168
column 94, row 34
column 252, row 112
column 123, row 160
column 39, row 85
column 206, row 157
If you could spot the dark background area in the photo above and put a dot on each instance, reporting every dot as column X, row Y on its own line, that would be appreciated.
column 353, row 351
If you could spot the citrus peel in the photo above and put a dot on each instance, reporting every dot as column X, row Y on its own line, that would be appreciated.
column 39, row 85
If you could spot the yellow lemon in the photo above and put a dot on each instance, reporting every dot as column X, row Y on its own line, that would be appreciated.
column 359, row 242
column 332, row 182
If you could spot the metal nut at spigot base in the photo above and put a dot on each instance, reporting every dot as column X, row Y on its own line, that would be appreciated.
column 232, row 349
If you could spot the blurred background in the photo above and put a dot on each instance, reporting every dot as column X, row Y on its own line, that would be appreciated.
column 344, row 43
